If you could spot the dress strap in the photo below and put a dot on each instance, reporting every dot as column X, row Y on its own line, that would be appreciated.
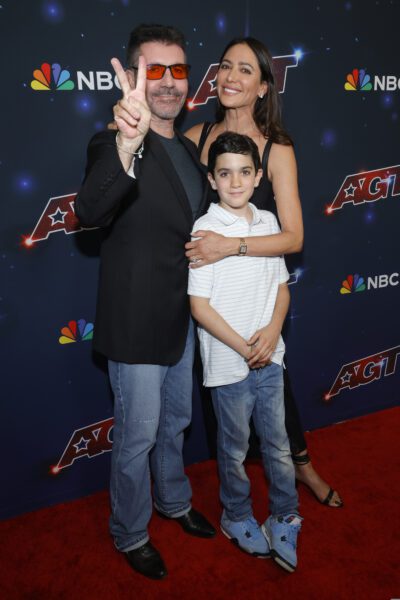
column 204, row 135
column 265, row 157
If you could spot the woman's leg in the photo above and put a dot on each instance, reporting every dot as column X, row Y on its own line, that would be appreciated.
column 293, row 424
column 304, row 469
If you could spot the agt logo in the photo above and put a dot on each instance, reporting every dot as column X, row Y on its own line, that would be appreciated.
column 89, row 441
column 58, row 215
column 364, row 371
column 76, row 331
column 356, row 283
column 207, row 88
column 54, row 78
column 359, row 80
column 368, row 186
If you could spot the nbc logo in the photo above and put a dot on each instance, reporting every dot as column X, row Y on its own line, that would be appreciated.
column 353, row 283
column 93, row 80
column 359, row 80
column 42, row 78
column 76, row 331
column 356, row 283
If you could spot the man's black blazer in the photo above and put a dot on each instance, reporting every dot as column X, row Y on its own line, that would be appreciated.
column 142, row 306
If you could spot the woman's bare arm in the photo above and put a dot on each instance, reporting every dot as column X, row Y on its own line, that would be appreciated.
column 282, row 172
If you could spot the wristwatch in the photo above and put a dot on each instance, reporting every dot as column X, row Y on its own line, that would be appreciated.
column 242, row 247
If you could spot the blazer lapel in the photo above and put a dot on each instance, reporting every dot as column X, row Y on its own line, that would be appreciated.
column 191, row 148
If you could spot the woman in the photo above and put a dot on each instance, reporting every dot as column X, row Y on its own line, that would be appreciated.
column 248, row 103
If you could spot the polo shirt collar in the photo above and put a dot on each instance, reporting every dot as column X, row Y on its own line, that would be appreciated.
column 227, row 218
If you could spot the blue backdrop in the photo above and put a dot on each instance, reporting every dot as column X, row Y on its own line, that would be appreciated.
column 339, row 77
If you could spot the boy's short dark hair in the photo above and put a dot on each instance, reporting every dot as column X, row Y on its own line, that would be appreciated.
column 234, row 143
column 166, row 34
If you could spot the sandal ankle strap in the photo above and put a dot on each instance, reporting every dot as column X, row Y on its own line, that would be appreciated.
column 302, row 459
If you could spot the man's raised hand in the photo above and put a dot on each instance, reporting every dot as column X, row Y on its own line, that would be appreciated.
column 131, row 113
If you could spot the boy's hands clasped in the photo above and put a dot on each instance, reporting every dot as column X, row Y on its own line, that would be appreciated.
column 262, row 346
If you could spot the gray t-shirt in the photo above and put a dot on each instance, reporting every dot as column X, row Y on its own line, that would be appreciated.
column 187, row 172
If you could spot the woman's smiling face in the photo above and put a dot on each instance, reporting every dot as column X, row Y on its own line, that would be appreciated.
column 239, row 78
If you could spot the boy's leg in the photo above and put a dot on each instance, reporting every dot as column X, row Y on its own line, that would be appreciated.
column 233, row 406
column 283, row 526
column 269, row 422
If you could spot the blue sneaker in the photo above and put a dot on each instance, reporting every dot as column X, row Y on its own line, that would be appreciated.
column 281, row 533
column 247, row 535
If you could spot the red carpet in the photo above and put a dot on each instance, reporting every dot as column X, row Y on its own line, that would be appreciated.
column 65, row 552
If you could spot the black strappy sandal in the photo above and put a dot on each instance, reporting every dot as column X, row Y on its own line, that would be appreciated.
column 304, row 459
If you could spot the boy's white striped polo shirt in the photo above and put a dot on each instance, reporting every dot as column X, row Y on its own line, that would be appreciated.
column 242, row 289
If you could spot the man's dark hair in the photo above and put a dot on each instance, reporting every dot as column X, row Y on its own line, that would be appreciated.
column 234, row 143
column 166, row 34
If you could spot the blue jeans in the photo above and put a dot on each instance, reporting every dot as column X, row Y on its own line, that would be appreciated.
column 260, row 396
column 152, row 408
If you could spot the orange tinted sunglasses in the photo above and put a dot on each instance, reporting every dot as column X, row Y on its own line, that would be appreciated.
column 155, row 71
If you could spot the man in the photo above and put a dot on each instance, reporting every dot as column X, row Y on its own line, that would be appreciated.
column 144, row 184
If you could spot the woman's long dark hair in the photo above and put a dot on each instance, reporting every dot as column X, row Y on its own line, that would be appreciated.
column 267, row 110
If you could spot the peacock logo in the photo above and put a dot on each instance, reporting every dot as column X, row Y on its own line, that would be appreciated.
column 353, row 283
column 43, row 78
column 358, row 79
column 76, row 331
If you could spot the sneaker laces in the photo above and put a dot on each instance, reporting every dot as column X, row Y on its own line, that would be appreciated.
column 249, row 525
column 293, row 526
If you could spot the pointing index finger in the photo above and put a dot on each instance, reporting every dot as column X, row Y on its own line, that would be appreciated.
column 122, row 77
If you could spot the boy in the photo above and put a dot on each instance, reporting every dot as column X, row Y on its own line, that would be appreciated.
column 240, row 304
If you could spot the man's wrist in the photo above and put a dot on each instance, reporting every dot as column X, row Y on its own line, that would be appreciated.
column 128, row 146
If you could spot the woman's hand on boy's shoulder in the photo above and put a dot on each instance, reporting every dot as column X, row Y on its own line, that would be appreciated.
column 209, row 248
